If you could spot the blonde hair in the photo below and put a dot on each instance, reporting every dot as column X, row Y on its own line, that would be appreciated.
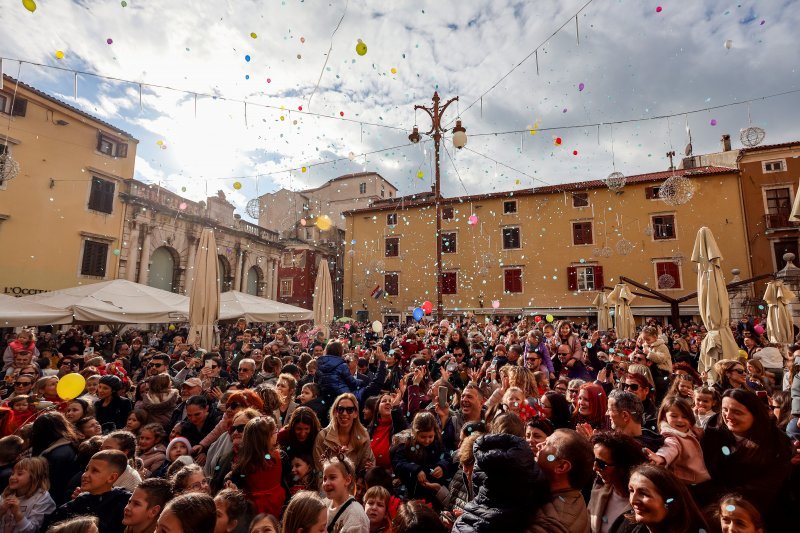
column 644, row 371
column 39, row 472
column 358, row 433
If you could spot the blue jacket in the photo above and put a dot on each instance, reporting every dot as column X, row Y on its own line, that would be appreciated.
column 334, row 378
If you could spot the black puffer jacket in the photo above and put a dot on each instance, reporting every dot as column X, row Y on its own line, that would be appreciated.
column 508, row 484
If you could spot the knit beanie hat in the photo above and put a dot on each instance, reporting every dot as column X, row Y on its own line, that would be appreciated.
column 184, row 440
column 111, row 381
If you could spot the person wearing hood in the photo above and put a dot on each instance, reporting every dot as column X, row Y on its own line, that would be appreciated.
column 334, row 375
column 111, row 410
column 98, row 497
column 160, row 399
column 498, row 504
column 566, row 459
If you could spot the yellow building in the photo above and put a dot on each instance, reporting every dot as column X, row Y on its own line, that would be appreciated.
column 60, row 218
column 547, row 250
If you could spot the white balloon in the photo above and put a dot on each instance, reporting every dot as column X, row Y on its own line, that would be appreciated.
column 728, row 44
column 377, row 327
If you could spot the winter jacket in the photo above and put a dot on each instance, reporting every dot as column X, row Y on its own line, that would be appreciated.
column 107, row 507
column 564, row 513
column 153, row 458
column 114, row 415
column 60, row 458
column 195, row 435
column 159, row 410
column 659, row 354
column 499, row 503
column 407, row 465
column 598, row 507
column 327, row 445
column 683, row 455
column 460, row 493
column 334, row 378
column 33, row 508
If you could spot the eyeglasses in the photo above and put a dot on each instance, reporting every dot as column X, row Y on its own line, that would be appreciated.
column 243, row 369
column 342, row 409
column 684, row 377
column 739, row 371
column 239, row 428
column 630, row 386
column 601, row 465
column 532, row 359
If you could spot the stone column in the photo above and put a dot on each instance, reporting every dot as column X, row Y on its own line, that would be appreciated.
column 267, row 281
column 133, row 253
column 190, row 262
column 275, row 285
column 237, row 271
column 144, row 261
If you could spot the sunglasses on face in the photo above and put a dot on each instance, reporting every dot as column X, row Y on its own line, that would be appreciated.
column 601, row 465
column 155, row 365
column 342, row 410
column 238, row 428
column 739, row 371
column 243, row 369
column 22, row 383
column 630, row 386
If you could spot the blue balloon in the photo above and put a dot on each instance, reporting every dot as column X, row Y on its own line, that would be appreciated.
column 418, row 314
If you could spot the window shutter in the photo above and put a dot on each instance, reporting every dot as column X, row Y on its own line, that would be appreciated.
column 648, row 193
column 19, row 107
column 99, row 140
column 598, row 278
column 122, row 150
column 508, row 281
column 572, row 278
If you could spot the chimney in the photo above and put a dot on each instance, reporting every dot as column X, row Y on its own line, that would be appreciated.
column 726, row 143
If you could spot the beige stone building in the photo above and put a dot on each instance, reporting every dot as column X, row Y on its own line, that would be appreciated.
column 547, row 250
column 61, row 219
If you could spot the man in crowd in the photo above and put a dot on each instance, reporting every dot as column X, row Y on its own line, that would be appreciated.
column 626, row 412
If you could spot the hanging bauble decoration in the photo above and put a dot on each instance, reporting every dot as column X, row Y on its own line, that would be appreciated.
column 752, row 136
column 678, row 257
column 624, row 246
column 9, row 168
column 253, row 208
column 665, row 281
column 616, row 181
column 676, row 190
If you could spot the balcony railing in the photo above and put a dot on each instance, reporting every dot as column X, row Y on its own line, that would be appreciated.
column 779, row 221
column 258, row 231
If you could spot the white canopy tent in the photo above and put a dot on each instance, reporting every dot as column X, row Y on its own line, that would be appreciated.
column 117, row 301
column 235, row 304
column 20, row 312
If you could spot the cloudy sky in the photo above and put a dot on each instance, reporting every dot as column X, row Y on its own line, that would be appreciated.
column 634, row 61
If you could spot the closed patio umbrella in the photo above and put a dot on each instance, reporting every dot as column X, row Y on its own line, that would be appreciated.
column 603, row 312
column 779, row 320
column 204, row 297
column 621, row 298
column 714, row 305
column 323, row 298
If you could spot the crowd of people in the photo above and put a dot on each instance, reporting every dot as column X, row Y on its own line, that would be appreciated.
column 506, row 424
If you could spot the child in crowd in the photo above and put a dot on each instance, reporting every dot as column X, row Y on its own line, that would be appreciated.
column 706, row 404
column 177, row 447
column 422, row 462
column 23, row 411
column 344, row 512
column 233, row 511
column 151, row 450
column 10, row 448
column 124, row 441
column 303, row 474
column 26, row 501
column 376, row 505
column 737, row 514
column 146, row 503
column 310, row 397
column 257, row 467
column 681, row 452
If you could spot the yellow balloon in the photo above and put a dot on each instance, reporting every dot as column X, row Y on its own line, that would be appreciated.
column 237, row 185
column 303, row 169
column 324, row 223
column 420, row 174
column 30, row 5
column 394, row 71
column 59, row 54
column 70, row 386
column 253, row 35
column 361, row 48
column 550, row 318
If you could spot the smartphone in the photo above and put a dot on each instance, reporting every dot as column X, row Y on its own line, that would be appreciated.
column 220, row 383
column 257, row 345
column 209, row 363
column 442, row 397
column 88, row 351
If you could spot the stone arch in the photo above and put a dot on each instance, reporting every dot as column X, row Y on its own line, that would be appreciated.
column 164, row 269
column 253, row 281
column 225, row 273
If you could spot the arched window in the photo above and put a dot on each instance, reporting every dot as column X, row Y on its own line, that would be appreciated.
column 162, row 269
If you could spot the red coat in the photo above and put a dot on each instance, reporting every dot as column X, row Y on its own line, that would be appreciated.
column 264, row 489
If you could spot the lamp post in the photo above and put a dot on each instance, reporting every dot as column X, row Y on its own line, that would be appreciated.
column 435, row 112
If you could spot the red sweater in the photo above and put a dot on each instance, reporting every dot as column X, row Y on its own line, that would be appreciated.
column 381, row 442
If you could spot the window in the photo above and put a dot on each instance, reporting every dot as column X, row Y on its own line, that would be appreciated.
column 309, row 234
column 3, row 103
column 3, row 149
column 383, row 193
column 509, row 207
column 774, row 166
column 511, row 239
column 447, row 213
column 580, row 199
column 15, row 106
column 512, row 280
column 392, row 246
column 449, row 241
column 110, row 146
column 391, row 283
column 362, row 188
column 449, row 282
column 651, row 193
column 286, row 288
column 287, row 260
column 95, row 255
column 585, row 278
column 391, row 219
column 663, row 227
column 101, row 197
column 668, row 275
column 581, row 233
column 779, row 201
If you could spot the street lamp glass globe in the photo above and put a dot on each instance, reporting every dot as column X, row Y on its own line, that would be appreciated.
column 459, row 139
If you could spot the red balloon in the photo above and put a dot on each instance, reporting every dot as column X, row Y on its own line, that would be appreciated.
column 427, row 306
column 537, row 318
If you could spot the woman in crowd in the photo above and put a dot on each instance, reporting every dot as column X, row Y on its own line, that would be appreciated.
column 615, row 456
column 555, row 407
column 54, row 439
column 731, row 374
column 345, row 432
column 286, row 386
column 387, row 421
column 660, row 503
column 218, row 466
column 217, row 443
column 592, row 407
column 257, row 466
column 111, row 410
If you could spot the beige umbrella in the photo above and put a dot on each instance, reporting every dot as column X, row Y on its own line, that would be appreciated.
column 794, row 216
column 323, row 298
column 779, row 320
column 621, row 298
column 715, row 307
column 603, row 312
column 204, row 297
